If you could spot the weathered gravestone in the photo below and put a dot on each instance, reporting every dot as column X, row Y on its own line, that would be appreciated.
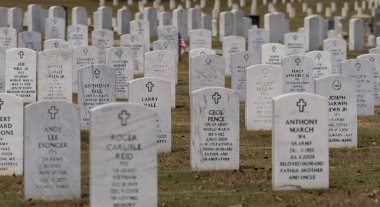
column 15, row 18
column 55, row 75
column 120, row 59
column 56, row 44
column 363, row 73
column 96, row 86
column 194, row 16
column 161, row 45
column 180, row 21
column 170, row 34
column 374, row 60
column 162, row 64
column 264, row 82
column 155, row 93
column 52, row 151
column 2, row 69
column 297, row 74
column 136, row 44
column 338, row 50
column 314, row 32
column 256, row 38
column 83, row 56
column 340, row 92
column 79, row 16
column 35, row 18
column 272, row 53
column 164, row 18
column 240, row 62
column 77, row 35
column 226, row 26
column 150, row 15
column 31, row 40
column 321, row 66
column 123, row 19
column 141, row 27
column 231, row 45
column 102, row 39
column 300, row 152
column 128, row 147
column 11, row 135
column 200, row 38
column 8, row 37
column 206, row 71
column 356, row 35
column 104, row 16
column 276, row 25
column 20, row 74
column 294, row 43
column 215, row 132
column 55, row 28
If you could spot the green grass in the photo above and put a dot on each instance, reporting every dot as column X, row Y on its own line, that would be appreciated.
column 354, row 173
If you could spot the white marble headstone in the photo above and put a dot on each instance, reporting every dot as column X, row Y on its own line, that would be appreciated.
column 52, row 151
column 96, row 86
column 215, row 138
column 120, row 59
column 162, row 64
column 123, row 138
column 300, row 152
column 12, row 134
column 340, row 92
column 272, row 53
column 155, row 93
column 297, row 73
column 55, row 75
column 264, row 82
column 363, row 73
column 20, row 74
column 136, row 43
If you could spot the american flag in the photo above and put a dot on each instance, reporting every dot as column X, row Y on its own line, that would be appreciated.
column 181, row 47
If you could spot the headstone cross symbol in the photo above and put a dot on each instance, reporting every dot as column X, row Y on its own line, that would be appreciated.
column 216, row 97
column 56, row 44
column 150, row 86
column 319, row 56
column 274, row 49
column 21, row 54
column 246, row 57
column 119, row 53
column 1, row 103
column 96, row 73
column 85, row 51
column 124, row 116
column 297, row 60
column 295, row 37
column 358, row 66
column 301, row 105
column 52, row 111
column 160, row 57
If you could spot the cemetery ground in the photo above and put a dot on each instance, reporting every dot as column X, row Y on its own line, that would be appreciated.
column 354, row 173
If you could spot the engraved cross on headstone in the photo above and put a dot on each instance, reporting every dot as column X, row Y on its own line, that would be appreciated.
column 301, row 105
column 56, row 44
column 96, row 73
column 124, row 116
column 150, row 86
column 21, row 54
column 297, row 60
column 216, row 97
column 52, row 111
column 1, row 103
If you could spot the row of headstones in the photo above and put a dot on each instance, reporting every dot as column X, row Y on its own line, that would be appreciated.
column 77, row 35
column 123, row 137
column 128, row 147
column 299, row 69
